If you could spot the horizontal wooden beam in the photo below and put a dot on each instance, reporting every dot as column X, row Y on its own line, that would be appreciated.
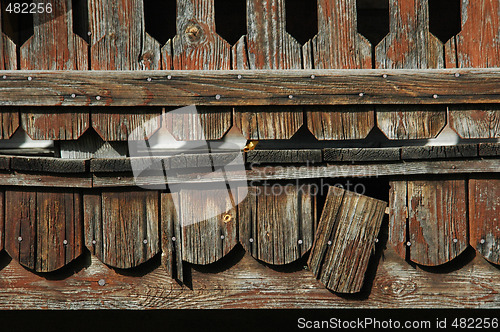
column 255, row 87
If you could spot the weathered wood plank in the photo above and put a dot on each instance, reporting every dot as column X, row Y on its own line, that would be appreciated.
column 439, row 152
column 345, row 239
column 5, row 162
column 198, row 47
column 48, row 164
column 277, row 223
column 119, row 42
column 338, row 45
column 257, row 87
column 43, row 228
column 267, row 45
column 398, row 216
column 9, row 121
column 54, row 46
column 207, row 220
column 8, row 57
column 128, row 224
column 410, row 45
column 305, row 172
column 91, row 145
column 484, row 216
column 361, row 154
column 46, row 180
column 437, row 221
column 2, row 218
column 489, row 149
column 475, row 121
column 283, row 156
column 479, row 48
column 171, row 236
column 250, row 284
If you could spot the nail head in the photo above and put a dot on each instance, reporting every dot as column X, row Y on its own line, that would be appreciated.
column 65, row 242
column 173, row 238
column 290, row 97
column 300, row 241
column 30, row 78
column 145, row 241
column 455, row 240
column 217, row 97
column 222, row 237
column 149, row 79
column 361, row 94
column 73, row 95
column 169, row 77
column 239, row 77
column 329, row 243
column 408, row 243
column 251, row 240
column 457, row 74
column 94, row 241
column 98, row 98
column 384, row 76
column 4, row 77
column 313, row 76
column 435, row 96
column 483, row 241
column 19, row 239
column 101, row 282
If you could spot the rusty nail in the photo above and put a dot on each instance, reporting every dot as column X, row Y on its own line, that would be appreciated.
column 98, row 97
column 457, row 74
column 145, row 241
column 94, row 241
column 251, row 240
column 435, row 96
column 222, row 237
column 408, row 243
column 384, row 76
column 30, row 78
column 313, row 76
column 19, row 239
column 65, row 242
column 300, row 241
column 173, row 238
column 217, row 97
column 227, row 218
column 101, row 282
column 483, row 241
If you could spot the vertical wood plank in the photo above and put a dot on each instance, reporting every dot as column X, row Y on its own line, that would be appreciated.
column 9, row 121
column 171, row 236
column 410, row 45
column 128, row 233
column 477, row 46
column 119, row 42
column 345, row 239
column 484, row 214
column 54, row 46
column 43, row 228
column 338, row 45
column 2, row 218
column 437, row 221
column 267, row 45
column 277, row 223
column 206, row 238
column 398, row 216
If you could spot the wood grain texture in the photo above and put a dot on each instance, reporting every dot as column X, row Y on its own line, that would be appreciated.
column 398, row 216
column 171, row 236
column 481, row 121
column 338, row 45
column 250, row 284
column 207, row 220
column 2, row 218
column 277, row 223
column 8, row 57
column 489, row 149
column 28, row 179
column 43, row 228
column 90, row 146
column 197, row 47
column 410, row 45
column 345, row 240
column 267, row 45
column 361, row 154
column 439, row 152
column 437, row 221
column 484, row 216
column 121, row 228
column 119, row 42
column 479, row 48
column 254, row 88
column 9, row 121
column 48, row 164
column 284, row 156
column 54, row 46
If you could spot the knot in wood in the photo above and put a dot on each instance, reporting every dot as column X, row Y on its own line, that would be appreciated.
column 193, row 33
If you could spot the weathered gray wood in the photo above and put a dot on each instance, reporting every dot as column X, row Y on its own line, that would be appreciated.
column 5, row 162
column 439, row 152
column 267, row 45
column 338, row 45
column 398, row 216
column 49, row 165
column 9, row 121
column 307, row 172
column 91, row 145
column 437, row 221
column 260, row 87
column 345, row 239
column 475, row 121
column 207, row 123
column 410, row 45
column 362, row 154
column 489, row 149
column 2, row 218
column 43, row 228
column 171, row 236
column 8, row 58
column 484, row 216
column 207, row 219
column 46, row 180
column 110, row 165
column 277, row 223
column 204, row 160
column 125, row 227
column 283, row 156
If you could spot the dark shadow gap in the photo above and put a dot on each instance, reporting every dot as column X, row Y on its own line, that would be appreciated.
column 18, row 27
column 81, row 19
column 373, row 19
column 301, row 19
column 444, row 18
column 160, row 17
column 230, row 19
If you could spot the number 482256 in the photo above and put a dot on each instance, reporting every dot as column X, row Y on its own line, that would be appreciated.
column 29, row 8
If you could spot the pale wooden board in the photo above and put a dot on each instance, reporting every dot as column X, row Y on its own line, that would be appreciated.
column 398, row 216
column 121, row 228
column 437, row 220
column 54, row 46
column 267, row 45
column 119, row 42
column 410, row 45
column 338, row 45
column 37, row 225
column 277, row 223
column 477, row 45
column 206, row 237
column 484, row 216
column 345, row 240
